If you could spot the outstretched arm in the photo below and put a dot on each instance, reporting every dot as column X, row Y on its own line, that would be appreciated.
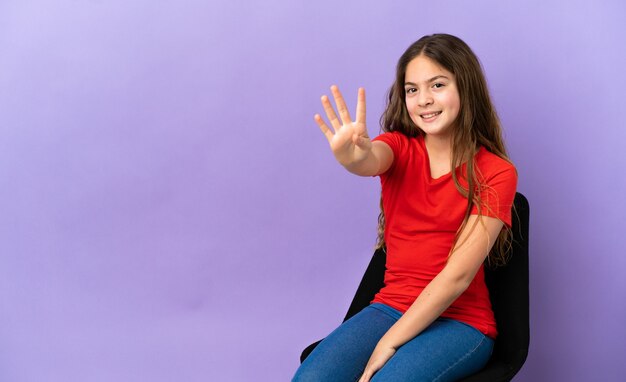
column 349, row 140
column 472, row 248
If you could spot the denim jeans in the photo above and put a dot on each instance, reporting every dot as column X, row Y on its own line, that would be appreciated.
column 446, row 351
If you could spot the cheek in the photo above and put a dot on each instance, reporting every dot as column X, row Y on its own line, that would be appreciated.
column 457, row 106
column 411, row 106
column 455, row 100
column 453, row 103
column 411, row 110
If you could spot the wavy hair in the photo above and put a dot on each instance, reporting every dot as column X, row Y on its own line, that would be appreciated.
column 477, row 124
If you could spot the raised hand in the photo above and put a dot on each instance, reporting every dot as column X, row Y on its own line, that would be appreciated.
column 348, row 139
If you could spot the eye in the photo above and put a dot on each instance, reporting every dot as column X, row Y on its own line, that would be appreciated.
column 410, row 90
column 438, row 85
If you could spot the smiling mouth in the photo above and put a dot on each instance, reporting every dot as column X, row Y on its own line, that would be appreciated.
column 430, row 115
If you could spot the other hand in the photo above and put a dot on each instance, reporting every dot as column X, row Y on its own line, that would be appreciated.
column 377, row 360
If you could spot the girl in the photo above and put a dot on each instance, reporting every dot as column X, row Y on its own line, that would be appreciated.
column 447, row 194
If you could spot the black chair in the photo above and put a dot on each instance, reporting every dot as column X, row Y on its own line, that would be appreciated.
column 508, row 289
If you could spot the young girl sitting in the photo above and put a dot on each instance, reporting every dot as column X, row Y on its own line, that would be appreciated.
column 447, row 194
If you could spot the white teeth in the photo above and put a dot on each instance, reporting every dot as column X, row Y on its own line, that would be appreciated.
column 426, row 116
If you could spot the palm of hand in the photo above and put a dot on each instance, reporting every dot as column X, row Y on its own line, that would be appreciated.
column 349, row 142
column 344, row 142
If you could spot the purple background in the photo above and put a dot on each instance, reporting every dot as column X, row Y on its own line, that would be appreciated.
column 170, row 211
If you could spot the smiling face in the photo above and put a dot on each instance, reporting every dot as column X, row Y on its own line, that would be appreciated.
column 431, row 96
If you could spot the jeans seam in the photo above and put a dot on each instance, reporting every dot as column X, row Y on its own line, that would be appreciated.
column 460, row 360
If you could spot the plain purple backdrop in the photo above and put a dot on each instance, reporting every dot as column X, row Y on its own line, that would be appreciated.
column 170, row 212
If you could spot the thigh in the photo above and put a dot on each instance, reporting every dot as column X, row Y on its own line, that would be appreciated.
column 447, row 350
column 342, row 355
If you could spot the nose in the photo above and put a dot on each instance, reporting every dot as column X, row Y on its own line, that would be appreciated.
column 424, row 98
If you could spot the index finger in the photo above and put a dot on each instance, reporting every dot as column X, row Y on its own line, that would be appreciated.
column 360, row 106
column 341, row 105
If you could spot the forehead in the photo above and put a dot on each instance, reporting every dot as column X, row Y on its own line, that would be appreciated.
column 422, row 68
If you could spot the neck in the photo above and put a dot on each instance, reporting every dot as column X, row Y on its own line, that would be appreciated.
column 439, row 146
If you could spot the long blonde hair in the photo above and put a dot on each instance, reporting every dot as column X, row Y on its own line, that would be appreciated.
column 477, row 123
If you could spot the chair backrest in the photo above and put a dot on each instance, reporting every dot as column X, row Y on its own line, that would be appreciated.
column 508, row 289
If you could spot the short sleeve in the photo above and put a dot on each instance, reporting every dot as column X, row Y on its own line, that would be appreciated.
column 398, row 143
column 497, row 190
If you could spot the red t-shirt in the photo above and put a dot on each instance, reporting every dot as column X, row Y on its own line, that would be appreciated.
column 422, row 217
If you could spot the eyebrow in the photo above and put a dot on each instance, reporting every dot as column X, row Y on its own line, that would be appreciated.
column 430, row 80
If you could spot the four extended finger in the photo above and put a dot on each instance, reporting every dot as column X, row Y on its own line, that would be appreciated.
column 360, row 106
column 330, row 113
column 341, row 105
column 320, row 122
